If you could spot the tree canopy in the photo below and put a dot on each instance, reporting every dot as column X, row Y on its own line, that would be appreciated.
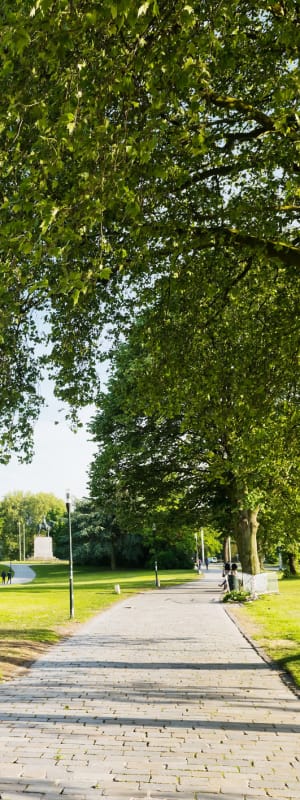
column 196, row 427
column 141, row 144
column 21, row 515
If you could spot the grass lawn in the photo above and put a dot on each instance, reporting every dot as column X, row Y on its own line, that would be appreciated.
column 34, row 615
column 273, row 622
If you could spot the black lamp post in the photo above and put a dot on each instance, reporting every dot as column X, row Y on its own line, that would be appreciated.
column 68, row 507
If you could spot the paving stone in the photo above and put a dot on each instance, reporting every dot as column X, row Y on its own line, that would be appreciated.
column 161, row 694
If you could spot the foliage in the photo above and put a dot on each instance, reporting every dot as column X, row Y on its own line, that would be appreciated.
column 97, row 539
column 236, row 596
column 144, row 149
column 20, row 400
column 219, row 434
column 21, row 514
column 149, row 172
column 280, row 525
column 141, row 475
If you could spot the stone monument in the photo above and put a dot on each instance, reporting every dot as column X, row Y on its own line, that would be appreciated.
column 43, row 545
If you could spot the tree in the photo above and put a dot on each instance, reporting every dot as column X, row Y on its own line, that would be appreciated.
column 280, row 527
column 21, row 515
column 181, row 425
column 98, row 540
column 138, row 142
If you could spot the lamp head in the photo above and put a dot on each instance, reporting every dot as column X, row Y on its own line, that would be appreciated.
column 68, row 500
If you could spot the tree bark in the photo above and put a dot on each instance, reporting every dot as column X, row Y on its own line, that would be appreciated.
column 247, row 526
column 292, row 563
column 113, row 562
column 226, row 550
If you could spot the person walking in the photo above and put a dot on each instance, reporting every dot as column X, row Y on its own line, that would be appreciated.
column 3, row 576
column 9, row 575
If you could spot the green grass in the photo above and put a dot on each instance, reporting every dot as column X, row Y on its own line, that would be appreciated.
column 40, row 610
column 276, row 621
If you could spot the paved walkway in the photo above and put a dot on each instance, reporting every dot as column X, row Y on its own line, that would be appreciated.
column 159, row 697
column 22, row 573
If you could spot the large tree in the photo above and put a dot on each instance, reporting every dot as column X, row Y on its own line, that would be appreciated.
column 139, row 141
column 196, row 414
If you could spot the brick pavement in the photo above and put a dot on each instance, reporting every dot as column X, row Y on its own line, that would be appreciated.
column 159, row 697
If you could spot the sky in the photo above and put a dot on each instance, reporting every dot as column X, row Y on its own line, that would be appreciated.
column 60, row 462
column 61, row 457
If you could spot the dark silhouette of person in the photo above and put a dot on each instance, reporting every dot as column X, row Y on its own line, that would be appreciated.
column 233, row 580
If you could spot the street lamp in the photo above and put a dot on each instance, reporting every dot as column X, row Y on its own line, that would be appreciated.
column 68, row 507
column 20, row 541
column 155, row 563
column 24, row 541
column 202, row 545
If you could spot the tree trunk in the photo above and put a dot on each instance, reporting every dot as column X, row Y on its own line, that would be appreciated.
column 247, row 526
column 292, row 563
column 113, row 562
column 226, row 550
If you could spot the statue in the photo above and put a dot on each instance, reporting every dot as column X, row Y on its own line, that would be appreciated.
column 45, row 526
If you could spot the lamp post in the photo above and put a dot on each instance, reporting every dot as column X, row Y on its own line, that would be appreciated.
column 202, row 545
column 155, row 563
column 20, row 541
column 24, row 541
column 197, row 551
column 68, row 507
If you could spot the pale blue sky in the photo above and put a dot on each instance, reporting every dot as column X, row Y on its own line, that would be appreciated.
column 61, row 459
column 60, row 462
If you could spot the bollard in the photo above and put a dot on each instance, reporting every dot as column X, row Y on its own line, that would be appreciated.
column 117, row 588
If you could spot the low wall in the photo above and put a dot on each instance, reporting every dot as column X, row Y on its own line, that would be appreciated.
column 263, row 583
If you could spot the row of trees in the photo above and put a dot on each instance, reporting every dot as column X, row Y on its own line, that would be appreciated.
column 97, row 538
column 205, row 449
column 150, row 167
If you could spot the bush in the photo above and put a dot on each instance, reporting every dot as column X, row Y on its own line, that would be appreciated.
column 239, row 596
column 286, row 573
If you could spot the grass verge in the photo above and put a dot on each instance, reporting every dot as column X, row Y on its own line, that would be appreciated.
column 273, row 623
column 35, row 615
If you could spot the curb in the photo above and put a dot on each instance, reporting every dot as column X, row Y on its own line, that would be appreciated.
column 285, row 676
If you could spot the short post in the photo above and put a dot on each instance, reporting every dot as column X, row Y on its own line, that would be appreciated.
column 68, row 507
column 155, row 563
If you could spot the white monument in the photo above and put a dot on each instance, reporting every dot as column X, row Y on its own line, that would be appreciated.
column 43, row 545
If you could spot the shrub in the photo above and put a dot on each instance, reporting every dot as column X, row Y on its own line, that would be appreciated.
column 235, row 596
